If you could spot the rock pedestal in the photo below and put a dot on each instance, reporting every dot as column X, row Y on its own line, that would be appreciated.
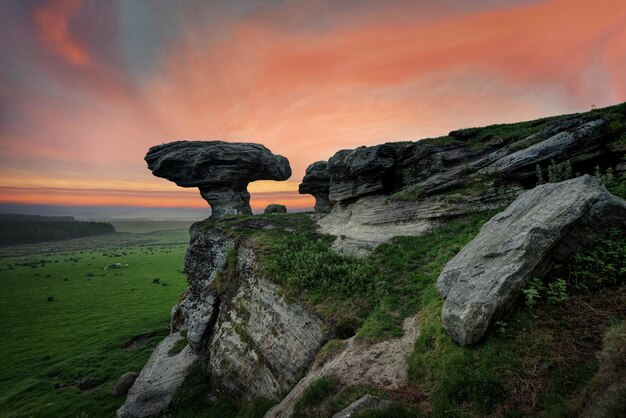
column 221, row 170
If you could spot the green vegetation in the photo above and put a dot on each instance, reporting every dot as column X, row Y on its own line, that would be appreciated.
column 408, row 194
column 326, row 396
column 556, row 172
column 604, row 265
column 329, row 349
column 178, row 347
column 62, row 324
column 192, row 400
column 477, row 138
column 555, row 292
column 398, row 280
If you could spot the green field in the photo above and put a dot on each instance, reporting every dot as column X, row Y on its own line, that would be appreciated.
column 48, row 346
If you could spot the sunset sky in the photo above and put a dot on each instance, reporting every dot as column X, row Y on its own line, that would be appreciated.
column 86, row 87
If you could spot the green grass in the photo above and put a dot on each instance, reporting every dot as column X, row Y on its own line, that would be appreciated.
column 326, row 396
column 144, row 227
column 477, row 138
column 80, row 333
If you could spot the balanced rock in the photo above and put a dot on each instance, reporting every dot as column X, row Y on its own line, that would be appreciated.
column 275, row 208
column 543, row 227
column 221, row 170
column 316, row 182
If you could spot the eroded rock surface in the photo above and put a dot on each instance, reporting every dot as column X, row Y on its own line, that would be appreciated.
column 262, row 344
column 382, row 365
column 316, row 182
column 549, row 222
column 221, row 170
column 406, row 188
column 160, row 377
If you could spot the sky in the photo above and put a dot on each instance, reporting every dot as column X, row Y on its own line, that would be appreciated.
column 86, row 87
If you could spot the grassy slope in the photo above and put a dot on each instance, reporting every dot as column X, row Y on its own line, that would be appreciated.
column 371, row 297
column 79, row 334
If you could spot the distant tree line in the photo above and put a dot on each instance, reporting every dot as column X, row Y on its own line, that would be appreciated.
column 18, row 217
column 28, row 229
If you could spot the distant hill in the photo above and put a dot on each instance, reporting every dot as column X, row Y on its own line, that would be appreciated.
column 19, row 217
column 28, row 229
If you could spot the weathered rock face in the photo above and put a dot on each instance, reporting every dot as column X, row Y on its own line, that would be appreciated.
column 238, row 325
column 543, row 226
column 221, row 170
column 383, row 365
column 405, row 188
column 262, row 344
column 160, row 377
column 316, row 182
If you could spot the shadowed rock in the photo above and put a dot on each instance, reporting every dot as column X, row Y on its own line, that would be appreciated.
column 220, row 170
column 316, row 182
column 275, row 208
column 539, row 230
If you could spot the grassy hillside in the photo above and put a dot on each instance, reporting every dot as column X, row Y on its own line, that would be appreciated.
column 541, row 362
column 65, row 318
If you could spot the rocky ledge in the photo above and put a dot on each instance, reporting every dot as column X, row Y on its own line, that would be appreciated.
column 404, row 188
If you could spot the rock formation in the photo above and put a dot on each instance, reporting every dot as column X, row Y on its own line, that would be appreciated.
column 550, row 221
column 221, row 170
column 237, row 324
column 275, row 208
column 404, row 188
column 164, row 372
column 316, row 182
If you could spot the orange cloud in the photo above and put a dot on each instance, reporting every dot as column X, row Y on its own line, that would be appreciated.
column 53, row 19
column 304, row 93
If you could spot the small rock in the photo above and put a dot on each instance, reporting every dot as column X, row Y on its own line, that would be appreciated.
column 124, row 383
column 274, row 208
column 87, row 383
column 366, row 402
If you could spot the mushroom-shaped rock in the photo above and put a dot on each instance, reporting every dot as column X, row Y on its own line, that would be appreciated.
column 221, row 170
column 316, row 182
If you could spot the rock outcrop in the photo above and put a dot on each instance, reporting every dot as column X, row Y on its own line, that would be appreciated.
column 160, row 377
column 316, row 182
column 238, row 325
column 383, row 365
column 405, row 188
column 221, row 170
column 543, row 226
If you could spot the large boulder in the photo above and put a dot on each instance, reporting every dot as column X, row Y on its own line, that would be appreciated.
column 164, row 372
column 221, row 170
column 316, row 182
column 543, row 227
